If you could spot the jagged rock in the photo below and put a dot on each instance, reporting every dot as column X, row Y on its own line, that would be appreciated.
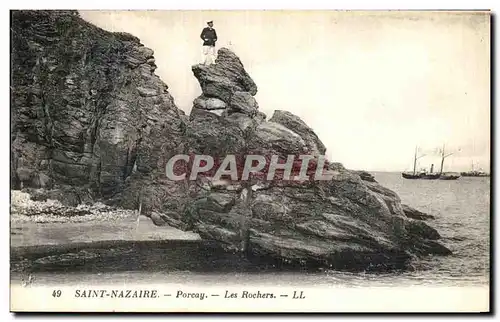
column 419, row 228
column 217, row 112
column 243, row 102
column 347, row 223
column 431, row 247
column 383, row 191
column 366, row 176
column 416, row 214
column 209, row 103
column 260, row 117
column 157, row 219
column 212, row 135
column 271, row 136
column 146, row 92
column 86, row 108
column 242, row 121
column 90, row 117
column 294, row 123
column 139, row 55
column 225, row 77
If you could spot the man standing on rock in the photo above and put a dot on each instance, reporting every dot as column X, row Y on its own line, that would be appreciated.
column 209, row 37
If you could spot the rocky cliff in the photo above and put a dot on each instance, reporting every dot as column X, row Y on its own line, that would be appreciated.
column 91, row 121
column 87, row 109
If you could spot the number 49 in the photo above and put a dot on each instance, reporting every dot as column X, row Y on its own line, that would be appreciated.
column 56, row 293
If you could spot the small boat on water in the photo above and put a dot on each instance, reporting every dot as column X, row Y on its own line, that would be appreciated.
column 474, row 173
column 411, row 175
column 431, row 175
column 449, row 176
column 414, row 174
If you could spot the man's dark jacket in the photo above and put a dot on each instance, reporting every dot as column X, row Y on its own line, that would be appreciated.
column 209, row 36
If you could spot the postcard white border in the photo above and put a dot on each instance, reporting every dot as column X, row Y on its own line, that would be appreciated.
column 214, row 4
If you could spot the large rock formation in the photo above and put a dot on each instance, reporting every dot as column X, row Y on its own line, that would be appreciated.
column 90, row 116
column 87, row 109
column 350, row 221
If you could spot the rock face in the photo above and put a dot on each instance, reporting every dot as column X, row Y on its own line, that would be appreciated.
column 350, row 222
column 225, row 78
column 87, row 109
column 89, row 114
column 366, row 176
column 294, row 123
column 416, row 214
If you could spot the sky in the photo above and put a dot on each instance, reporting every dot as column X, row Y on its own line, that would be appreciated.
column 372, row 85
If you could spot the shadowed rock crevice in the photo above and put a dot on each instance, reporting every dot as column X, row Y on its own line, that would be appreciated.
column 91, row 121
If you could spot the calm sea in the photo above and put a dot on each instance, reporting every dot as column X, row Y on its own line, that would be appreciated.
column 462, row 210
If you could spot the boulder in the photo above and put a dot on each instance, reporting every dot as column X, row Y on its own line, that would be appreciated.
column 274, row 137
column 213, row 135
column 366, row 176
column 295, row 124
column 350, row 222
column 242, row 121
column 413, row 213
column 209, row 103
column 225, row 77
column 243, row 102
